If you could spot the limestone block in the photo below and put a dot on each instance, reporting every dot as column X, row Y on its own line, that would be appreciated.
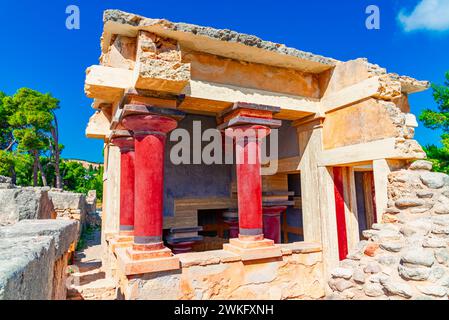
column 342, row 273
column 24, row 203
column 421, row 164
column 434, row 180
column 410, row 121
column 26, row 268
column 409, row 202
column 397, row 288
column 64, row 232
column 442, row 256
column 436, row 291
column 393, row 246
column 420, row 257
column 414, row 273
column 373, row 290
column 161, row 75
column 435, row 243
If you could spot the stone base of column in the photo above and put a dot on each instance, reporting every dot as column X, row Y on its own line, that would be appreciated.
column 253, row 249
column 121, row 241
column 132, row 261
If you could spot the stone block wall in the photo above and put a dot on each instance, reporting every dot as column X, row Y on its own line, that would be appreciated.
column 69, row 205
column 33, row 259
column 407, row 255
column 219, row 274
column 17, row 203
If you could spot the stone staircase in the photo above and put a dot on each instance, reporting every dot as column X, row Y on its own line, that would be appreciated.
column 86, row 280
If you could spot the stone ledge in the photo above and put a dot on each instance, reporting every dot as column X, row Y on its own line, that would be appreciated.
column 207, row 258
column 64, row 232
column 222, row 256
column 300, row 247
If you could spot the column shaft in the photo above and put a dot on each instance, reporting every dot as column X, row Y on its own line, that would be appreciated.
column 127, row 191
column 249, row 189
column 149, row 188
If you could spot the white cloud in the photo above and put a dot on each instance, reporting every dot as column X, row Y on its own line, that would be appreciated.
column 431, row 15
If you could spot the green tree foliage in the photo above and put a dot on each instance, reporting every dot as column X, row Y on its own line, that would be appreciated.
column 80, row 179
column 31, row 117
column 6, row 136
column 29, row 144
column 439, row 120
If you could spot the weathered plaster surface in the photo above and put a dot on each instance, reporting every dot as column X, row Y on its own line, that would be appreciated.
column 360, row 123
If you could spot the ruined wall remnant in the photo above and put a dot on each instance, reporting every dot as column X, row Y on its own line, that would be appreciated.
column 406, row 256
column 76, row 206
column 220, row 274
column 17, row 203
column 33, row 259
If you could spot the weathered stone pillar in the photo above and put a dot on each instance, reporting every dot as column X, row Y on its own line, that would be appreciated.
column 125, row 142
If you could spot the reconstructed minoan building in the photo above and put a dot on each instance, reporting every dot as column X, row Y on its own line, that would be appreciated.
column 230, row 231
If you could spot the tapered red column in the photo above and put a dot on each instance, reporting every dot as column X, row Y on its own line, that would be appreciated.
column 150, row 136
column 126, row 145
column 249, row 124
column 249, row 181
column 272, row 222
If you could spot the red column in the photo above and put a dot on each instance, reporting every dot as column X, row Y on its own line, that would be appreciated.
column 126, row 145
column 249, row 181
column 150, row 136
column 340, row 213
column 272, row 222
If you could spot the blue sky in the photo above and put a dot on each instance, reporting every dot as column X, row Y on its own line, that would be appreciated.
column 37, row 51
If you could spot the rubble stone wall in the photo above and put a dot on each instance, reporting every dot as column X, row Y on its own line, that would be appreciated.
column 407, row 255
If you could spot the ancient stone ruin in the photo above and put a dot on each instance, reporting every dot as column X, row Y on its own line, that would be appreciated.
column 347, row 213
column 37, row 242
column 234, row 231
column 406, row 256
